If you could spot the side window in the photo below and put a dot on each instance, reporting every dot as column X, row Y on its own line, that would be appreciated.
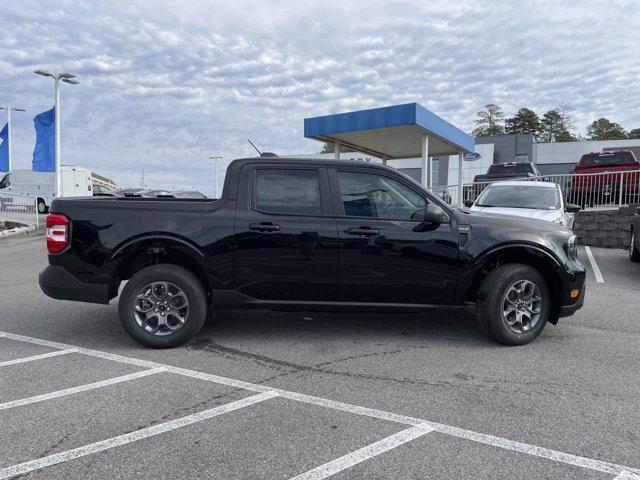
column 371, row 195
column 293, row 192
column 6, row 181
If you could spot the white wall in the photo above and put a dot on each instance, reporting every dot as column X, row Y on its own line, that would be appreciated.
column 570, row 152
column 471, row 168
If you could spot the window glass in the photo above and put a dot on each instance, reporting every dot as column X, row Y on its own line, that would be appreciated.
column 520, row 196
column 6, row 181
column 606, row 158
column 294, row 192
column 371, row 195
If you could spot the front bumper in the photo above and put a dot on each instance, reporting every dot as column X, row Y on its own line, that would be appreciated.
column 568, row 310
column 58, row 283
column 569, row 305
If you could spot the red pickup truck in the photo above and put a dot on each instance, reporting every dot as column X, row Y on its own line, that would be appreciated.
column 606, row 177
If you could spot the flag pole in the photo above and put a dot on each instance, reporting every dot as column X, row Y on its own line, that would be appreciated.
column 9, row 108
column 10, row 158
column 57, row 77
column 57, row 130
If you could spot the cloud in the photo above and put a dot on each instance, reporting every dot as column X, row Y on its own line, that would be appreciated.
column 166, row 83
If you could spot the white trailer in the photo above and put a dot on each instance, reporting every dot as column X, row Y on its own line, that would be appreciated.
column 76, row 182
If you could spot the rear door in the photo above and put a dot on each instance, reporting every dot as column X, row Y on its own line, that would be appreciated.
column 285, row 234
column 387, row 254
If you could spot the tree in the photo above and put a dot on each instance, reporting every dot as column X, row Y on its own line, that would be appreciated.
column 564, row 109
column 330, row 148
column 525, row 121
column 553, row 127
column 604, row 129
column 635, row 133
column 489, row 121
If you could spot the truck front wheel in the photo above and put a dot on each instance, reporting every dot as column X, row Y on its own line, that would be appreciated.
column 162, row 306
column 513, row 304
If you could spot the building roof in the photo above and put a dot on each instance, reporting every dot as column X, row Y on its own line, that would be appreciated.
column 390, row 132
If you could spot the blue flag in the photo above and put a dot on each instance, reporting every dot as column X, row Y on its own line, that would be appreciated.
column 44, row 154
column 4, row 149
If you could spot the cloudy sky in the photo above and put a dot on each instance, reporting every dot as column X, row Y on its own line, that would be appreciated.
column 166, row 83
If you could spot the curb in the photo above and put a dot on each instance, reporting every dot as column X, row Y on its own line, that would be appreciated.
column 12, row 232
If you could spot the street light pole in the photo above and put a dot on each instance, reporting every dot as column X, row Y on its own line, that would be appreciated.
column 215, row 172
column 9, row 109
column 57, row 77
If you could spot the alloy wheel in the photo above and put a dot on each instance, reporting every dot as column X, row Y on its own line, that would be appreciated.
column 161, row 308
column 522, row 306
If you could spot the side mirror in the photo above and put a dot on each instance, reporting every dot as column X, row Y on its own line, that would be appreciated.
column 468, row 203
column 571, row 208
column 433, row 214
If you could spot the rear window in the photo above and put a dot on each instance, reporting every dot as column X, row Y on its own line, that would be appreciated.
column 597, row 159
column 498, row 169
column 291, row 192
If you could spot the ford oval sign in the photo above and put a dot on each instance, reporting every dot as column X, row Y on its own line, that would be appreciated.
column 470, row 157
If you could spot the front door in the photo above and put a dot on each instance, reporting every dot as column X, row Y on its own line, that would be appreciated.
column 285, row 234
column 387, row 254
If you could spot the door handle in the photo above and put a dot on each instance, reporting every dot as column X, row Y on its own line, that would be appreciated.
column 366, row 231
column 264, row 227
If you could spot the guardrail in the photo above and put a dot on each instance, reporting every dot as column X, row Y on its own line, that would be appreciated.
column 589, row 190
column 19, row 208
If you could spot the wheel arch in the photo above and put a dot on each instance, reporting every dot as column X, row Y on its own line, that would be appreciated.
column 141, row 252
column 532, row 255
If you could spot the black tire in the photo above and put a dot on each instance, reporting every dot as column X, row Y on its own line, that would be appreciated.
column 180, row 278
column 634, row 252
column 42, row 207
column 489, row 308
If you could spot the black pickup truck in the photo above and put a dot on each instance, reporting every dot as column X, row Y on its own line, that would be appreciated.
column 300, row 234
column 508, row 171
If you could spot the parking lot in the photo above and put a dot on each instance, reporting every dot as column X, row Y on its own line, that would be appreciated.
column 308, row 395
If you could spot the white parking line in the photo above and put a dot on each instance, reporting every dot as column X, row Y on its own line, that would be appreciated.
column 92, row 448
column 567, row 458
column 80, row 388
column 38, row 357
column 365, row 453
column 594, row 265
column 627, row 476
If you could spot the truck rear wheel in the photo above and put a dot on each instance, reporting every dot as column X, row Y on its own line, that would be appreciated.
column 163, row 306
column 513, row 304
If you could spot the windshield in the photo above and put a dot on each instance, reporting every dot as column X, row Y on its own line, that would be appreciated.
column 520, row 196
column 517, row 168
column 6, row 181
column 597, row 159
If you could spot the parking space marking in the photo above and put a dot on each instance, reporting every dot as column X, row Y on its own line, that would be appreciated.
column 365, row 453
column 627, row 476
column 80, row 388
column 594, row 265
column 567, row 458
column 113, row 442
column 38, row 357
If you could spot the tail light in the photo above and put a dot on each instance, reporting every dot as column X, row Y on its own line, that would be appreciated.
column 57, row 232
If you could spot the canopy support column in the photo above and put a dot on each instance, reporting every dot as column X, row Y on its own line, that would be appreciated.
column 336, row 149
column 426, row 163
column 460, row 192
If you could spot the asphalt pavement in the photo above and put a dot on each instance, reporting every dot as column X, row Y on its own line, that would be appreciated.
column 280, row 395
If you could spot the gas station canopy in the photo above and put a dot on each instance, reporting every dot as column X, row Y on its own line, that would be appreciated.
column 390, row 132
column 399, row 131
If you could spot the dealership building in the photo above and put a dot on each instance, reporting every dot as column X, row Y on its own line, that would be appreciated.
column 550, row 158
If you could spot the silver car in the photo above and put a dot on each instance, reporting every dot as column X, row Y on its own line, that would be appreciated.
column 530, row 199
